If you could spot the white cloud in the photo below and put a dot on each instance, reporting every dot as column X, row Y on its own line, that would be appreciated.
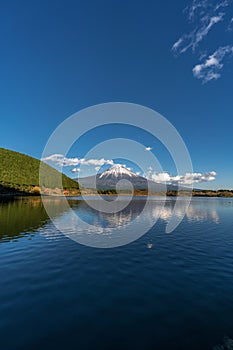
column 161, row 177
column 222, row 4
column 204, row 30
column 148, row 148
column 192, row 39
column 197, row 6
column 97, row 162
column 187, row 179
column 194, row 178
column 204, row 15
column 230, row 25
column 211, row 67
column 61, row 160
column 75, row 170
column 177, row 44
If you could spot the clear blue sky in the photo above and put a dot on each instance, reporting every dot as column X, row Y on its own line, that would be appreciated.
column 58, row 57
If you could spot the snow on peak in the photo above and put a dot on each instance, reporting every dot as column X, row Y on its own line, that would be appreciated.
column 117, row 170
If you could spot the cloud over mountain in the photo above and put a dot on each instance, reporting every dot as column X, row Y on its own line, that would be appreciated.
column 186, row 179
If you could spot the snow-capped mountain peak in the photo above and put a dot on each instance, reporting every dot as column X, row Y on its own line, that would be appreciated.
column 117, row 170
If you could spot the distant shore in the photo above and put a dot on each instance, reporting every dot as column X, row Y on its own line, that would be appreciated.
column 222, row 193
column 136, row 193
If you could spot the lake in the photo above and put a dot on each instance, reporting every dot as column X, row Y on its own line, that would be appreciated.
column 161, row 291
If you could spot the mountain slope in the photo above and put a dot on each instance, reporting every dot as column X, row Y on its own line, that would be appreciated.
column 19, row 173
column 109, row 178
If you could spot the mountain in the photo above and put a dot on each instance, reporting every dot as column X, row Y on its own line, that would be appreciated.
column 19, row 174
column 108, row 179
column 116, row 171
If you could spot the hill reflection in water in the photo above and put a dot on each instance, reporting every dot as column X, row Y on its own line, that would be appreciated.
column 25, row 215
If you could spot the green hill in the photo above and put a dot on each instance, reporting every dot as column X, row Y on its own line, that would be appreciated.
column 19, row 174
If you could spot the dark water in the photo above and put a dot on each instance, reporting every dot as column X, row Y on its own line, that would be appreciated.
column 58, row 294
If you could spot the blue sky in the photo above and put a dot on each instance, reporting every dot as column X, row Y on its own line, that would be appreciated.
column 58, row 57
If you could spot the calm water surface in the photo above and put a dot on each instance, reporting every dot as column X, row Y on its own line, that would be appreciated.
column 58, row 294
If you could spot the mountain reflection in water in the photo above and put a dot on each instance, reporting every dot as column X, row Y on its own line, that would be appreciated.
column 25, row 215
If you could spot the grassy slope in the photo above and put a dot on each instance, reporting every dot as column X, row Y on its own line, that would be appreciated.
column 21, row 172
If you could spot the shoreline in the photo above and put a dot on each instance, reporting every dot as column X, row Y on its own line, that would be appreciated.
column 34, row 195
